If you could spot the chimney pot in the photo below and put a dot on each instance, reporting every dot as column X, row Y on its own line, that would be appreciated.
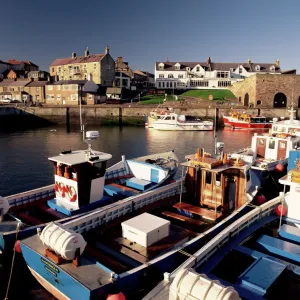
column 249, row 61
column 86, row 52
column 106, row 50
column 73, row 54
column 277, row 63
column 209, row 60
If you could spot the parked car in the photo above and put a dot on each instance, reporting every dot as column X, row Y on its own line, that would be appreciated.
column 5, row 100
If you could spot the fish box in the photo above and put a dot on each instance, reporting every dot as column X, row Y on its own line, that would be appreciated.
column 145, row 229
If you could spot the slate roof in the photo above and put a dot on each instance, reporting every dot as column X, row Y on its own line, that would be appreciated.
column 78, row 60
column 264, row 67
column 60, row 82
column 6, row 82
column 37, row 83
column 19, row 83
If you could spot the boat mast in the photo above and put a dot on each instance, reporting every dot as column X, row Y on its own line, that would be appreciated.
column 81, row 124
column 215, row 132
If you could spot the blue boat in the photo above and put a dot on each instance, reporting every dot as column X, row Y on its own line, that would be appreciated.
column 256, row 257
column 128, row 246
column 82, row 184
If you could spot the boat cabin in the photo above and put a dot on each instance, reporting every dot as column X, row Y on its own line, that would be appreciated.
column 248, row 118
column 79, row 179
column 273, row 147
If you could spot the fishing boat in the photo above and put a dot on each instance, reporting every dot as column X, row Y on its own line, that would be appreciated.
column 128, row 246
column 270, row 152
column 82, row 184
column 245, row 121
column 256, row 257
column 166, row 119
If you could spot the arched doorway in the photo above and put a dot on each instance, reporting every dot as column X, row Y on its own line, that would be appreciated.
column 240, row 99
column 246, row 100
column 280, row 100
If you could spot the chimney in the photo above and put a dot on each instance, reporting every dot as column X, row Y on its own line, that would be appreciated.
column 277, row 63
column 86, row 52
column 73, row 55
column 209, row 60
column 119, row 59
column 106, row 50
column 249, row 61
column 90, row 77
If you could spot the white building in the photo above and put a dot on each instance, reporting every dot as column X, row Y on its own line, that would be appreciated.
column 207, row 75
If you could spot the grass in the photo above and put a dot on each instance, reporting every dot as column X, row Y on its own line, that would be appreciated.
column 218, row 94
column 155, row 99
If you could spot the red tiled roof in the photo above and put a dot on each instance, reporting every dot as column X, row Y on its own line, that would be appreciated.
column 18, row 62
column 78, row 60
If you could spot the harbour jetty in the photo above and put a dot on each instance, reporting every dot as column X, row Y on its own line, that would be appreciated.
column 126, row 114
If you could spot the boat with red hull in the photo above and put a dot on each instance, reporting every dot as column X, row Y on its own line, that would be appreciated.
column 246, row 121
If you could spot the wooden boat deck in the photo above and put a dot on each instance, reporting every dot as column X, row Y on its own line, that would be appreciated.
column 203, row 212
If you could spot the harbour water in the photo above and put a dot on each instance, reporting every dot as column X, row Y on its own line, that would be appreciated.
column 24, row 165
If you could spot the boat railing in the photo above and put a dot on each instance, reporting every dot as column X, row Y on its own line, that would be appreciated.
column 123, row 207
column 46, row 192
column 214, row 244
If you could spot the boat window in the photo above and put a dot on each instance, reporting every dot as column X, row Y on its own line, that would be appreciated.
column 167, row 118
column 282, row 145
column 208, row 177
column 218, row 179
column 248, row 175
column 275, row 128
column 271, row 144
column 100, row 168
column 261, row 142
column 173, row 118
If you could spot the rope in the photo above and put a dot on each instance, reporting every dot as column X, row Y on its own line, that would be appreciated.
column 12, row 264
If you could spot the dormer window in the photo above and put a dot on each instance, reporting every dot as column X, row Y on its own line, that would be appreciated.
column 187, row 68
column 272, row 68
column 161, row 66
column 177, row 66
column 257, row 68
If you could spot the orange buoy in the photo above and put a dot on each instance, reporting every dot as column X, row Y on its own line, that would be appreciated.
column 119, row 296
column 18, row 247
column 278, row 209
column 261, row 199
column 279, row 168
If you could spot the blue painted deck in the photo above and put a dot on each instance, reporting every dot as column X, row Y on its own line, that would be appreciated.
column 116, row 190
column 139, row 184
column 290, row 233
column 261, row 274
column 279, row 247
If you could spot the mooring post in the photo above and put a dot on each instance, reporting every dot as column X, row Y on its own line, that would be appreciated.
column 120, row 117
column 68, row 119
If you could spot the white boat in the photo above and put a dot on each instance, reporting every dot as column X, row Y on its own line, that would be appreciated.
column 173, row 121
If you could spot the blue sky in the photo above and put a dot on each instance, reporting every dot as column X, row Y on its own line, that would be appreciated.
column 147, row 31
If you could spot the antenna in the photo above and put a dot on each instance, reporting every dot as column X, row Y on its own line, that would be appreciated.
column 90, row 137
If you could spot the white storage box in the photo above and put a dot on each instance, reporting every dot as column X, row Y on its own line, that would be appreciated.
column 145, row 229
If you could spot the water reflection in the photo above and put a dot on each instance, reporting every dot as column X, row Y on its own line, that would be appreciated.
column 24, row 155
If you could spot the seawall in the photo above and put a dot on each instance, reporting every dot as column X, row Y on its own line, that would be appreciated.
column 114, row 114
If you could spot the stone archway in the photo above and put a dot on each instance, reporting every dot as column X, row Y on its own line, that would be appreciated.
column 280, row 100
column 246, row 100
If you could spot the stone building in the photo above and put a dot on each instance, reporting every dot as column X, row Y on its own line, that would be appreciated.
column 267, row 90
column 70, row 92
column 35, row 91
column 98, row 67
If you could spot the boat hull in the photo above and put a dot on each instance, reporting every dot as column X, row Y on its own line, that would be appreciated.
column 245, row 125
column 48, row 286
column 182, row 126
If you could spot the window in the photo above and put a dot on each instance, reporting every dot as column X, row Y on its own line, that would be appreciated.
column 161, row 76
column 59, row 69
column 171, row 84
column 222, row 74
column 201, row 83
column 272, row 68
column 271, row 144
column 167, row 118
column 76, row 69
column 208, row 177
column 167, row 85
column 58, row 87
column 163, row 84
column 74, row 97
column 95, row 66
column 50, row 87
column 258, row 102
column 159, row 84
column 224, row 83
column 170, row 76
column 240, row 70
column 198, row 69
column 282, row 145
column 257, row 68
column 53, row 70
column 50, row 97
column 180, row 76
column 58, row 97
column 261, row 142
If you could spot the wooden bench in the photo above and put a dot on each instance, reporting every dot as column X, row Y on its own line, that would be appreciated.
column 203, row 212
column 183, row 218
